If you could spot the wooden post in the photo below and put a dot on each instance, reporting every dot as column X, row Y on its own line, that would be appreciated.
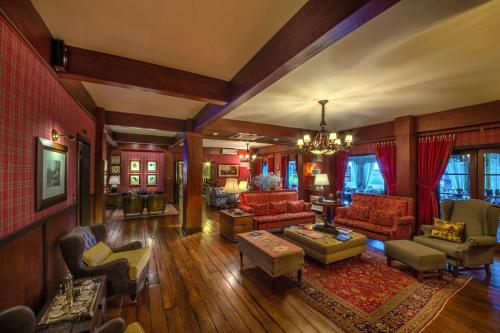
column 406, row 157
column 99, row 166
column 193, row 182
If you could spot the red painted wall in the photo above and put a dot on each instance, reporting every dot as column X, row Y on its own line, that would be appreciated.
column 143, row 157
column 32, row 103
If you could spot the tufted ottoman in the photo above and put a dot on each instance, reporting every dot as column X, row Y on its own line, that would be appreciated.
column 272, row 254
column 425, row 260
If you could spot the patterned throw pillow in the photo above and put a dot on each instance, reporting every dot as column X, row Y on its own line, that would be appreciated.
column 278, row 207
column 260, row 209
column 295, row 206
column 358, row 213
column 381, row 217
column 451, row 231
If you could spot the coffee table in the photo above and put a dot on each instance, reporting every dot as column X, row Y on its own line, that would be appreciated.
column 327, row 249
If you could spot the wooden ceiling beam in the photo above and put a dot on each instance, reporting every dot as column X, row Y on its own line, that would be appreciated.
column 144, row 121
column 139, row 138
column 97, row 67
column 316, row 26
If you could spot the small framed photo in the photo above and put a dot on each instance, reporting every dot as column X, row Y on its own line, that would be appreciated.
column 151, row 166
column 115, row 169
column 115, row 159
column 50, row 173
column 134, row 179
column 151, row 179
column 135, row 166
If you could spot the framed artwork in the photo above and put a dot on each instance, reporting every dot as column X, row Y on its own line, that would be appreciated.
column 50, row 173
column 135, row 166
column 228, row 170
column 151, row 179
column 134, row 179
column 115, row 159
column 115, row 169
column 151, row 166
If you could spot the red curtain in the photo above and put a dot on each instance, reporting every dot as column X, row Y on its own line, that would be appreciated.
column 386, row 158
column 433, row 155
column 259, row 166
column 284, row 169
column 270, row 164
column 341, row 165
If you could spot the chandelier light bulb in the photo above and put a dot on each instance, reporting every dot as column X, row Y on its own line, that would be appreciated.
column 307, row 138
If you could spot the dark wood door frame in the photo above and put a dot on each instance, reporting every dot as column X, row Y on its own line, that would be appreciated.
column 77, row 199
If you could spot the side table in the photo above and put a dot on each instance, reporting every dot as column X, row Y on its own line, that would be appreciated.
column 329, row 207
column 232, row 224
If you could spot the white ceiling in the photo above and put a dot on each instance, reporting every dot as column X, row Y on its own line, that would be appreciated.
column 420, row 56
column 213, row 143
column 141, row 131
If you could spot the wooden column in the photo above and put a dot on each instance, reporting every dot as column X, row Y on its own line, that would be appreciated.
column 406, row 156
column 100, row 114
column 169, row 175
column 193, row 182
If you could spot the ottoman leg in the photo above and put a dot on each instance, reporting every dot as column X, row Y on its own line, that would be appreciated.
column 441, row 272
column 299, row 276
column 241, row 259
column 420, row 276
column 455, row 271
column 389, row 259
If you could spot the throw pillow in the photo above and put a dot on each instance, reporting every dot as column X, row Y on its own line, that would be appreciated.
column 96, row 254
column 451, row 231
column 358, row 213
column 260, row 209
column 295, row 206
column 383, row 218
column 278, row 207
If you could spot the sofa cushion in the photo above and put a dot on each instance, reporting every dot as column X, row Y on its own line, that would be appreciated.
column 260, row 209
column 278, row 207
column 137, row 260
column 283, row 217
column 380, row 229
column 452, row 249
column 358, row 213
column 295, row 206
column 380, row 217
column 96, row 254
column 451, row 231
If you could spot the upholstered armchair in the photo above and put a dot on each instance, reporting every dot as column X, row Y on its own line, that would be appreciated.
column 481, row 223
column 219, row 198
column 17, row 319
column 156, row 204
column 117, row 325
column 86, row 254
column 133, row 205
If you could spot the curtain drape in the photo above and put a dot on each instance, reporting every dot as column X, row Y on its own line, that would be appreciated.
column 433, row 155
column 270, row 164
column 341, row 165
column 386, row 158
column 284, row 170
column 259, row 166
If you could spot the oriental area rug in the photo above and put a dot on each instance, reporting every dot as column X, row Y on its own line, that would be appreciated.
column 363, row 294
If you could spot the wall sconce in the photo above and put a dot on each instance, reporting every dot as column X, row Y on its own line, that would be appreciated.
column 55, row 135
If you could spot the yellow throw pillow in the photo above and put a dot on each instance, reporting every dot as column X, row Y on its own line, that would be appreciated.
column 96, row 254
column 451, row 231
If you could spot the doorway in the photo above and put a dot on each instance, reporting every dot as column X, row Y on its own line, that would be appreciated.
column 83, row 188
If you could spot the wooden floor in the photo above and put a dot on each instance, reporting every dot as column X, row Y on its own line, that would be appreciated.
column 196, row 286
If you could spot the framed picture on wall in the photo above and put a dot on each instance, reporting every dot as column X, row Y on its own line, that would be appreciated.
column 228, row 170
column 50, row 173
column 135, row 166
column 151, row 166
column 115, row 169
column 115, row 159
column 134, row 179
column 151, row 179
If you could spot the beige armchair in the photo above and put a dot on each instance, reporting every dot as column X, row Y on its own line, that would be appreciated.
column 481, row 223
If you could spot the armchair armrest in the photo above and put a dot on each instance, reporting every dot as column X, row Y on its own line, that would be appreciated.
column 481, row 241
column 128, row 247
column 426, row 229
column 246, row 209
column 341, row 211
column 116, row 325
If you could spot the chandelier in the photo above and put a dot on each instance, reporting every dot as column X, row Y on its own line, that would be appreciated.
column 246, row 157
column 324, row 142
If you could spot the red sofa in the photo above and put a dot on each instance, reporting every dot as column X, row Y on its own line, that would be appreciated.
column 249, row 202
column 380, row 217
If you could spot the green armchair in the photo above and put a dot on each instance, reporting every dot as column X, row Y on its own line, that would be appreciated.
column 481, row 223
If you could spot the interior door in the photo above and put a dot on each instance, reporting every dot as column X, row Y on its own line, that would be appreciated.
column 83, row 182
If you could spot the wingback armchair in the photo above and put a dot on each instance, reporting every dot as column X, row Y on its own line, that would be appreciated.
column 133, row 205
column 156, row 203
column 219, row 198
column 125, row 267
column 481, row 223
column 17, row 319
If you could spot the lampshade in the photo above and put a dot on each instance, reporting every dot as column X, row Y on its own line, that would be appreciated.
column 348, row 138
column 333, row 136
column 231, row 186
column 321, row 179
column 300, row 142
column 243, row 185
column 114, row 180
column 307, row 138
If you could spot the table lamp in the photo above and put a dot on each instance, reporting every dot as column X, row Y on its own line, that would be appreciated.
column 243, row 186
column 114, row 181
column 231, row 187
column 320, row 180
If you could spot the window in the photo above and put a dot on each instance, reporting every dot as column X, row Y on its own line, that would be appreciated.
column 265, row 168
column 362, row 175
column 491, row 172
column 455, row 184
column 293, row 180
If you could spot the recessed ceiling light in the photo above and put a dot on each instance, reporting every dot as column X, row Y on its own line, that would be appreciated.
column 275, row 139
column 215, row 133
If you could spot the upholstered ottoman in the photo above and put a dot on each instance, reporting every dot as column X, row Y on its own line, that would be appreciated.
column 272, row 254
column 425, row 260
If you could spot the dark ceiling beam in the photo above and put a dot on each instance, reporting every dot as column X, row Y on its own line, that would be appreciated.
column 103, row 68
column 139, row 138
column 144, row 121
column 316, row 26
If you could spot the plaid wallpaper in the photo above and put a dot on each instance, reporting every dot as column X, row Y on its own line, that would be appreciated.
column 127, row 156
column 32, row 102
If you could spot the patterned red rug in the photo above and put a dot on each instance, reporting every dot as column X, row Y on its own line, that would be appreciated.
column 365, row 295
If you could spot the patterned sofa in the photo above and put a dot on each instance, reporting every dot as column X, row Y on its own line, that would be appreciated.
column 380, row 217
column 276, row 209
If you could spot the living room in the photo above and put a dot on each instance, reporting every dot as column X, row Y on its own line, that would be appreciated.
column 260, row 166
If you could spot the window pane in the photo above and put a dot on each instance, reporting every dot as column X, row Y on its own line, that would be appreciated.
column 455, row 182
column 362, row 176
column 492, row 178
column 265, row 168
column 293, row 179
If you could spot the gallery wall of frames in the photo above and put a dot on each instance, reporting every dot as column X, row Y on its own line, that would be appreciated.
column 138, row 170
